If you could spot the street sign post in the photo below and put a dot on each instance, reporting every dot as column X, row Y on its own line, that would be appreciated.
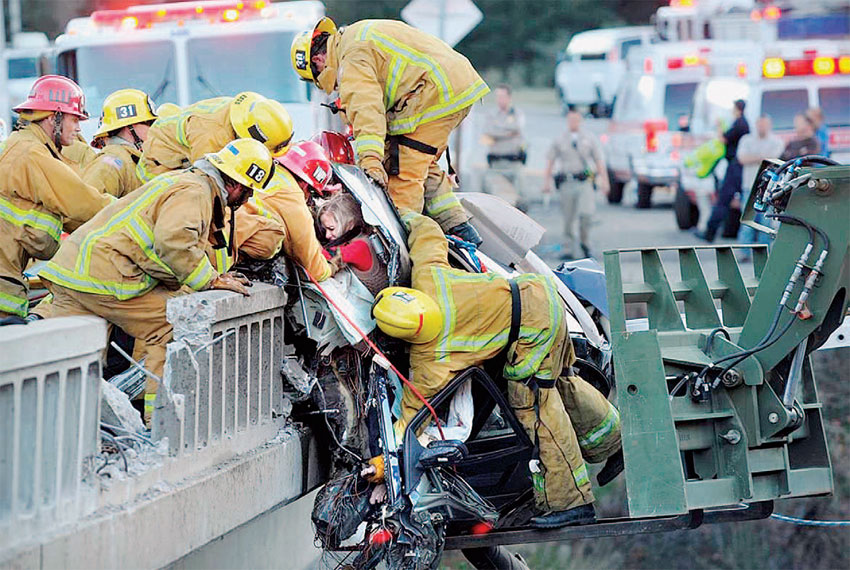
column 449, row 20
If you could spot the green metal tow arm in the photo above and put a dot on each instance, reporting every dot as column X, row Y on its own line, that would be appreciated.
column 744, row 437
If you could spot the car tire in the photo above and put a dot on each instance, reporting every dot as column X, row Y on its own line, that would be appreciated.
column 615, row 192
column 687, row 213
column 644, row 193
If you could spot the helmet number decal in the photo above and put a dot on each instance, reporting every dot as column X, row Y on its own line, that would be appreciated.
column 320, row 174
column 256, row 173
column 300, row 59
column 126, row 111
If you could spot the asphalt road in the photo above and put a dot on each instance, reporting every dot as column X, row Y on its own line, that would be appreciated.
column 615, row 226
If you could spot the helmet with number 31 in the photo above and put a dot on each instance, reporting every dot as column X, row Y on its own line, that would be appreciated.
column 123, row 108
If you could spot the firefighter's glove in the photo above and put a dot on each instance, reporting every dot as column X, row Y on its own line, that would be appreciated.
column 374, row 472
column 374, row 169
column 232, row 282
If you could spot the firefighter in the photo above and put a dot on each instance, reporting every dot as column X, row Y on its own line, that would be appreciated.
column 41, row 194
column 79, row 152
column 177, row 141
column 403, row 92
column 277, row 217
column 127, row 116
column 149, row 246
column 456, row 320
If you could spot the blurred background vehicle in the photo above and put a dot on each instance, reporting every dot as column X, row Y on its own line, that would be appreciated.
column 180, row 54
column 598, row 58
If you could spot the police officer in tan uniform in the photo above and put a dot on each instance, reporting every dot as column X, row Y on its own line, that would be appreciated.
column 581, row 169
column 503, row 135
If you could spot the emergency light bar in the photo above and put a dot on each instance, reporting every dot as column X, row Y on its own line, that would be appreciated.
column 776, row 67
column 204, row 11
column 769, row 13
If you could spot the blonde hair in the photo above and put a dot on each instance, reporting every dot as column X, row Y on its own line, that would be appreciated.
column 345, row 210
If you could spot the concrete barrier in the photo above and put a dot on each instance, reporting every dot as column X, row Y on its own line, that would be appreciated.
column 49, row 413
column 222, row 370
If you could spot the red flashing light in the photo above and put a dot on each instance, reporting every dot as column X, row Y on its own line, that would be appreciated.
column 129, row 23
column 230, row 15
column 772, row 13
column 741, row 69
column 844, row 64
column 180, row 13
column 647, row 65
column 798, row 67
column 651, row 128
column 690, row 60
column 755, row 16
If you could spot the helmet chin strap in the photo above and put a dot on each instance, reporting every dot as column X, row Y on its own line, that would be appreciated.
column 136, row 139
column 231, row 246
column 57, row 129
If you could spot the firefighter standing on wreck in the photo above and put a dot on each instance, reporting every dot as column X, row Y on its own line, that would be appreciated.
column 403, row 92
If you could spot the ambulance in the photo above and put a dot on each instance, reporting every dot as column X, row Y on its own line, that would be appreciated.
column 183, row 52
column 779, row 80
column 650, row 123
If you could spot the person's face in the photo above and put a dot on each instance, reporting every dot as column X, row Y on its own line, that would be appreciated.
column 503, row 99
column 330, row 225
column 70, row 129
column 802, row 127
column 319, row 61
column 763, row 126
column 573, row 121
column 142, row 130
column 237, row 194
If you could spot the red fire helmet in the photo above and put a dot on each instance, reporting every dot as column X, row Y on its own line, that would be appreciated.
column 309, row 162
column 336, row 145
column 55, row 93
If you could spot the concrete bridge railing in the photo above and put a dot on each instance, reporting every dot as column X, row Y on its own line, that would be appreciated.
column 229, row 468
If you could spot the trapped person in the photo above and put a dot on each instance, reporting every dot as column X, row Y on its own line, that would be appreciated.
column 753, row 148
column 580, row 163
column 731, row 185
column 41, row 193
column 350, row 242
column 455, row 319
column 403, row 92
column 804, row 141
column 149, row 246
column 503, row 135
column 127, row 116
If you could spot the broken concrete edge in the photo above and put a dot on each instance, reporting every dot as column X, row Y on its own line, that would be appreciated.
column 174, row 518
column 193, row 316
column 22, row 346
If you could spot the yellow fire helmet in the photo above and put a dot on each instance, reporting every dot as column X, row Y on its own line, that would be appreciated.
column 408, row 314
column 168, row 110
column 125, row 107
column 266, row 120
column 302, row 44
column 246, row 161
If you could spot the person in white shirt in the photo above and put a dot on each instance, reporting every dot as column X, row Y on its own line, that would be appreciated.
column 752, row 149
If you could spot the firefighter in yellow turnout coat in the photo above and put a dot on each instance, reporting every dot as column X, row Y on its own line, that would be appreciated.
column 473, row 325
column 41, row 193
column 127, row 261
column 177, row 141
column 124, row 124
column 403, row 91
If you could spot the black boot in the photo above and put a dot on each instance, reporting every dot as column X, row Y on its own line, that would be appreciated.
column 585, row 514
column 466, row 232
column 613, row 467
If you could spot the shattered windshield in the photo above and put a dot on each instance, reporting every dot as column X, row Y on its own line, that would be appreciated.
column 219, row 66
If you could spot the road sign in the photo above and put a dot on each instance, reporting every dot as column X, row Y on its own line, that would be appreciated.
column 449, row 20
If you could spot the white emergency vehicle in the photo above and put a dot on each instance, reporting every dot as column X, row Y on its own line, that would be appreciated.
column 22, row 68
column 779, row 80
column 590, row 70
column 183, row 52
column 650, row 122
